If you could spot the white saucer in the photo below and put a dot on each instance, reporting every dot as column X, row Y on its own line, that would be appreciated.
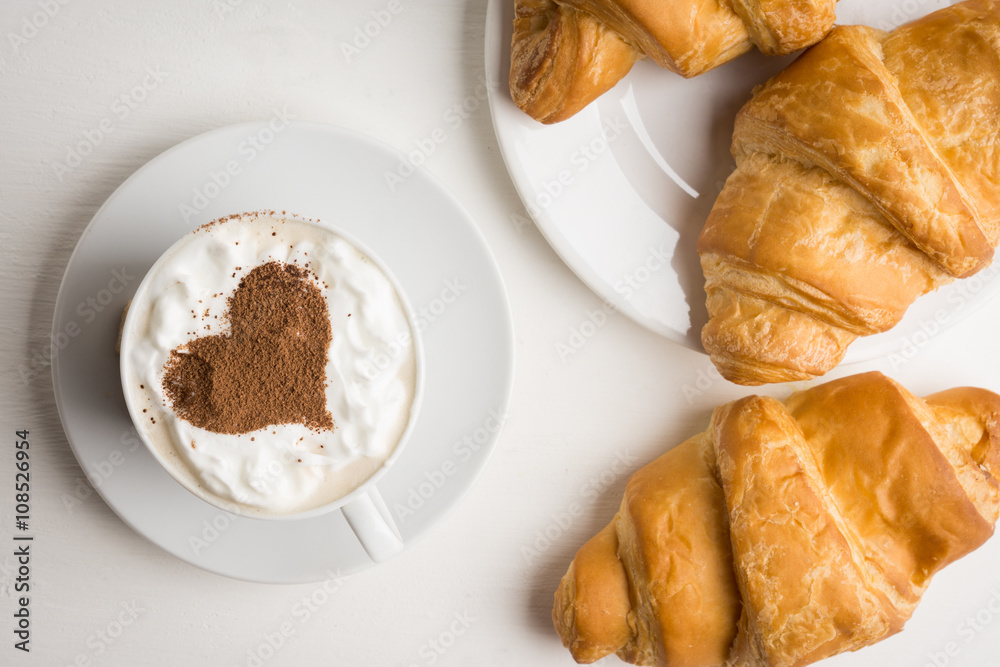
column 631, row 179
column 417, row 228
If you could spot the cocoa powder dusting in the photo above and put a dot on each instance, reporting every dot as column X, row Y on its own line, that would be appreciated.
column 269, row 369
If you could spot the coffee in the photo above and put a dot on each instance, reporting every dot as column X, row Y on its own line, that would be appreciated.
column 271, row 364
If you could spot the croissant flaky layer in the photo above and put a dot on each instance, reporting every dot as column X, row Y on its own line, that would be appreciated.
column 868, row 174
column 789, row 531
column 566, row 53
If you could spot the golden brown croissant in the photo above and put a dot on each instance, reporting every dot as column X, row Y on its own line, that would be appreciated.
column 566, row 53
column 788, row 532
column 868, row 173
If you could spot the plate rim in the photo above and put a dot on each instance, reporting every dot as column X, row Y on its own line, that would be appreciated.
column 544, row 222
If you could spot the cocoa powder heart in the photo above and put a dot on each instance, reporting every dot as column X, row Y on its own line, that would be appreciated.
column 269, row 369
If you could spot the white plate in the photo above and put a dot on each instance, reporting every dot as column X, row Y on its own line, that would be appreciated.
column 419, row 230
column 632, row 177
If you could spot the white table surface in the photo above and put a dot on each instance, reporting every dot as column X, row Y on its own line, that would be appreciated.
column 471, row 592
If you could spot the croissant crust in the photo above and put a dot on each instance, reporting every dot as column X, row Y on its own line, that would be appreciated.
column 867, row 175
column 566, row 53
column 789, row 531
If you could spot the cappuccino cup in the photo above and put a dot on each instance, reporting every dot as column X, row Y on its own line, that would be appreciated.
column 273, row 367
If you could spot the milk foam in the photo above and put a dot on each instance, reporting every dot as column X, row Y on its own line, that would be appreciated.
column 371, row 371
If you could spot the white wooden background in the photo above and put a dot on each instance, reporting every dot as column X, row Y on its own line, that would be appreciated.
column 468, row 593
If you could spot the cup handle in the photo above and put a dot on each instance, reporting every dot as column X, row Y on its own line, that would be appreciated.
column 370, row 520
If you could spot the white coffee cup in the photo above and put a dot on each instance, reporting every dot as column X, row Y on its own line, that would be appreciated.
column 308, row 473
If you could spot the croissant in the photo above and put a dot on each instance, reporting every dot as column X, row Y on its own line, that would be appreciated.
column 868, row 174
column 788, row 532
column 566, row 53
